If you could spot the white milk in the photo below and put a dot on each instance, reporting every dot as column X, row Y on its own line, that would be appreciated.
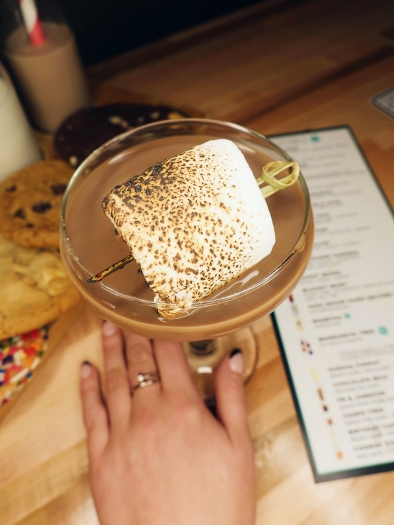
column 17, row 145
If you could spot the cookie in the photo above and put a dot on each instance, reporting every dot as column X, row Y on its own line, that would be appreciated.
column 30, row 201
column 87, row 129
column 35, row 288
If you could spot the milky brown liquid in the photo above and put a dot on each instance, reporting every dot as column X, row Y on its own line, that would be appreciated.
column 93, row 239
column 50, row 76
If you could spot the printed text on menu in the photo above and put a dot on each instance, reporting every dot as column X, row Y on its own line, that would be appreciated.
column 337, row 328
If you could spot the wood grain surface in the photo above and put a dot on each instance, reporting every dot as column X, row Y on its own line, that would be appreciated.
column 294, row 68
column 270, row 60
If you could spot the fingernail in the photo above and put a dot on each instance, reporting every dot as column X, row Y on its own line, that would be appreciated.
column 236, row 361
column 108, row 328
column 86, row 369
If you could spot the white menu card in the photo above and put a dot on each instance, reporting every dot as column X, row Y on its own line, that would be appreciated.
column 336, row 330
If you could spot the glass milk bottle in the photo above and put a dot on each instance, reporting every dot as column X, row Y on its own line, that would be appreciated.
column 41, row 52
column 17, row 145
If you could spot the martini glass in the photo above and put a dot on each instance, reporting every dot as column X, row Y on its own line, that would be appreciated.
column 212, row 326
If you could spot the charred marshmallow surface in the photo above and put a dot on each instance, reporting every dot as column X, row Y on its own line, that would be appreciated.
column 193, row 222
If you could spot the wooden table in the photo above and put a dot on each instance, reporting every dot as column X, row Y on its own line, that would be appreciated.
column 274, row 68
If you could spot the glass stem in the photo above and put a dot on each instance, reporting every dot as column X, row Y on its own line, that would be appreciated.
column 203, row 347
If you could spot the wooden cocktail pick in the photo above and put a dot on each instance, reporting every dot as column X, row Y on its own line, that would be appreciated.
column 271, row 170
column 111, row 269
column 273, row 185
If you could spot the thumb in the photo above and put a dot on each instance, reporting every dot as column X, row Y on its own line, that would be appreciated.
column 230, row 397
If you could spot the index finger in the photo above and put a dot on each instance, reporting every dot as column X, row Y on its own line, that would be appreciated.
column 117, row 385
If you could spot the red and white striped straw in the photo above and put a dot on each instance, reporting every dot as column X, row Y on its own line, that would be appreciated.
column 32, row 22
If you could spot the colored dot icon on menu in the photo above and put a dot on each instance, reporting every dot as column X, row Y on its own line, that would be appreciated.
column 347, row 316
column 383, row 330
column 315, row 138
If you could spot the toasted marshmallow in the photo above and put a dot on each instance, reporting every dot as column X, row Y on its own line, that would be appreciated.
column 193, row 222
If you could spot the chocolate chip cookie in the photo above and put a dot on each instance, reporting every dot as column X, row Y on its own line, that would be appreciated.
column 30, row 202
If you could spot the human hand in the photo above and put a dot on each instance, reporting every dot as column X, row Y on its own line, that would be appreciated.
column 158, row 456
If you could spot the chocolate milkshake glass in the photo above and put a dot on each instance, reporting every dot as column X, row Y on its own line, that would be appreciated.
column 212, row 326
column 49, row 75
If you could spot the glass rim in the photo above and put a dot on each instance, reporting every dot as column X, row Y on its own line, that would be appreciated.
column 204, row 302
